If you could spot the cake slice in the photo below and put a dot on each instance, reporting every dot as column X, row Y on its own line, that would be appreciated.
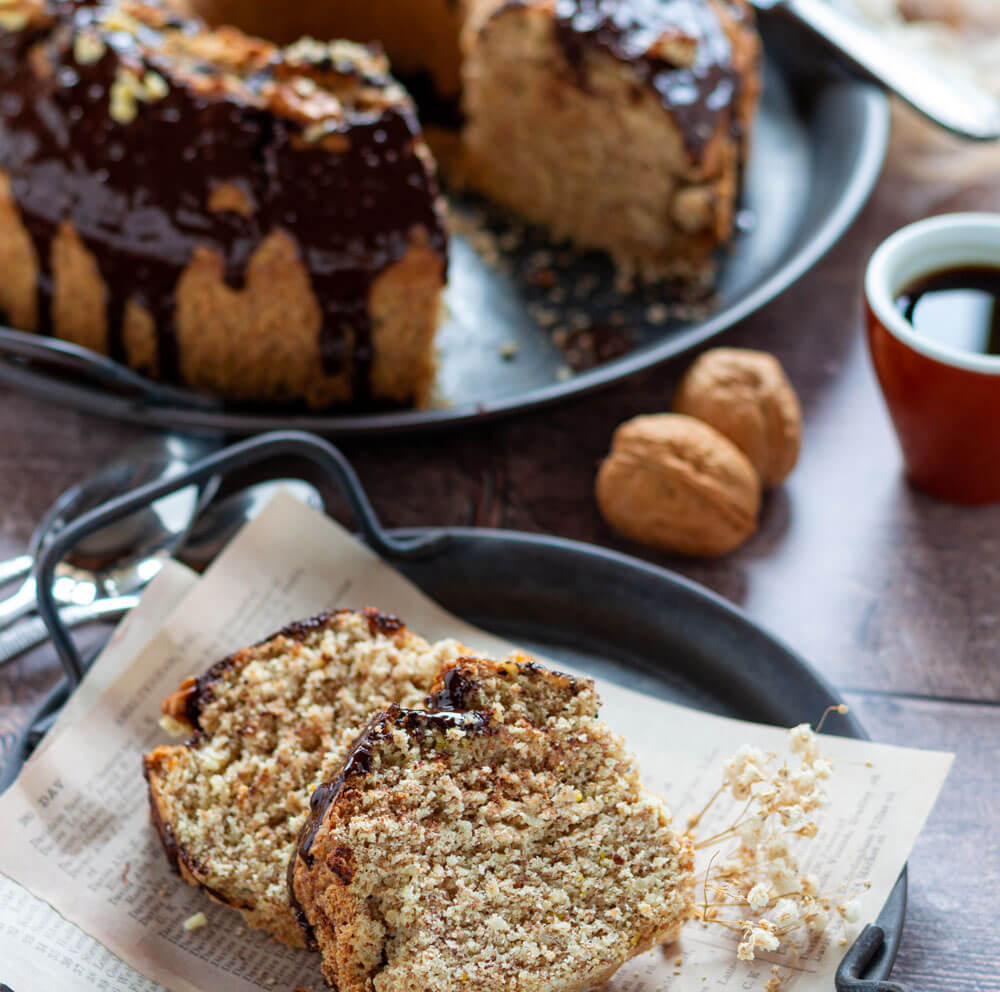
column 269, row 724
column 507, row 846
column 619, row 125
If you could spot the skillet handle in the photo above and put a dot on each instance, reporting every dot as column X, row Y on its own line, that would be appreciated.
column 856, row 961
column 267, row 446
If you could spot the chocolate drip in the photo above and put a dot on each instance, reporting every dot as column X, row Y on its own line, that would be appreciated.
column 137, row 193
column 456, row 689
column 696, row 95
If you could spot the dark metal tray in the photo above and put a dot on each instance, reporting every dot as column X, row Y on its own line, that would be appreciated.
column 596, row 610
column 818, row 148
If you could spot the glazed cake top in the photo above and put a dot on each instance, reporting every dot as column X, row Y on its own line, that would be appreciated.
column 678, row 47
column 155, row 136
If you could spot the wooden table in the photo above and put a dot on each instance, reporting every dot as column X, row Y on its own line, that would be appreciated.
column 895, row 597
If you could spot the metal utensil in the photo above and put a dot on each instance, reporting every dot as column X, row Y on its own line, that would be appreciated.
column 213, row 530
column 15, row 568
column 158, row 527
column 956, row 104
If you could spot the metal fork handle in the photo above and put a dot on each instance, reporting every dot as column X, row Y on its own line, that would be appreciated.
column 19, row 603
column 267, row 446
column 30, row 633
column 957, row 105
column 15, row 568
column 99, row 368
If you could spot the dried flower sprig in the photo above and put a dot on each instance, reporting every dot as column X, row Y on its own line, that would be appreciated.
column 753, row 884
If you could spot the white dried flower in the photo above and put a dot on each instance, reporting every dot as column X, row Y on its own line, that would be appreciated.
column 764, row 939
column 851, row 910
column 777, row 847
column 783, row 875
column 786, row 912
column 804, row 741
column 804, row 781
column 761, row 874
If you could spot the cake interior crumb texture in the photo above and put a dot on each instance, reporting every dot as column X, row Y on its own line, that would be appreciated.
column 270, row 723
column 510, row 847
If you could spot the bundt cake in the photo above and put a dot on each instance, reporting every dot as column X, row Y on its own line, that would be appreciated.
column 506, row 846
column 264, row 223
column 268, row 724
column 620, row 124
column 256, row 222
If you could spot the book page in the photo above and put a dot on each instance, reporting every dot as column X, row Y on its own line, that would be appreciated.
column 77, row 834
column 37, row 942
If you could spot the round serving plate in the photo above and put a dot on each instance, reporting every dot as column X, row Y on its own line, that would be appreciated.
column 580, row 605
column 819, row 144
column 634, row 624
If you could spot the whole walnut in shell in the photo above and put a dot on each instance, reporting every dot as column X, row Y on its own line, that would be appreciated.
column 746, row 396
column 677, row 484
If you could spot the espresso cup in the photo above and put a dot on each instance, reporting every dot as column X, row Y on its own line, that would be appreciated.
column 944, row 403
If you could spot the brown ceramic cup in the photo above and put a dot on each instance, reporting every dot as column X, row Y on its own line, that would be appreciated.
column 944, row 403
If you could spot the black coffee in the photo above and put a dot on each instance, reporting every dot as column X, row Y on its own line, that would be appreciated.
column 958, row 308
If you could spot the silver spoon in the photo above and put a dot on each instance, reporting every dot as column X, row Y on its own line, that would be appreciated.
column 214, row 529
column 160, row 526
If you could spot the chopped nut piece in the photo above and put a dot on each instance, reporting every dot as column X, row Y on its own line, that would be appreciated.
column 195, row 922
column 13, row 20
column 154, row 86
column 677, row 49
column 88, row 48
column 173, row 727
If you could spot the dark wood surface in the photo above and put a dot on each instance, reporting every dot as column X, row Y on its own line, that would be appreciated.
column 895, row 597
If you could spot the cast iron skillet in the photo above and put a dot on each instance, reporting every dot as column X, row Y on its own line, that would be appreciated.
column 818, row 148
column 601, row 612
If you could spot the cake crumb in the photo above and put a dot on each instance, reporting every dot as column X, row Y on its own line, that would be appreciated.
column 128, row 864
column 657, row 313
column 509, row 350
column 195, row 922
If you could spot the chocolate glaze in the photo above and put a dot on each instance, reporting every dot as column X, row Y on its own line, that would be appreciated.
column 359, row 761
column 697, row 96
column 456, row 689
column 137, row 193
column 382, row 623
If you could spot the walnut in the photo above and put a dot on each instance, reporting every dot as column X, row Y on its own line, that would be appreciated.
column 677, row 484
column 746, row 396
